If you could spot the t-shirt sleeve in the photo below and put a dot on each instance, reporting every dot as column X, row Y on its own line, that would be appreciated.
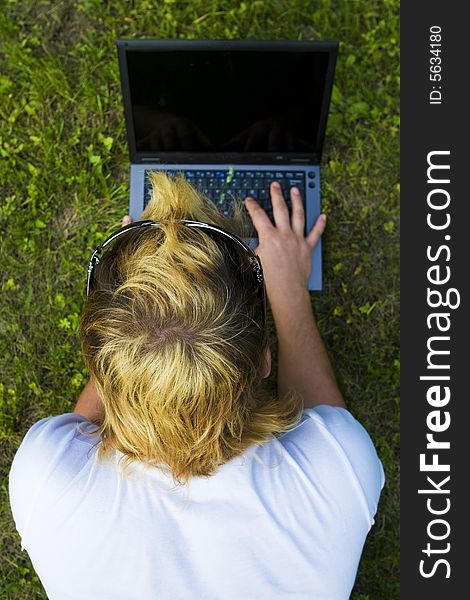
column 48, row 457
column 333, row 450
column 355, row 445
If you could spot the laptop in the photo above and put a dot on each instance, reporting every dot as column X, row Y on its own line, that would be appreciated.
column 230, row 116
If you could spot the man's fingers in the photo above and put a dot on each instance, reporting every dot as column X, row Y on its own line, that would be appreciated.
column 258, row 216
column 298, row 214
column 316, row 232
column 126, row 220
column 280, row 210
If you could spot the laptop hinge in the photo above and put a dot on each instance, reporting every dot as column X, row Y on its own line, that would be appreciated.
column 310, row 160
column 303, row 160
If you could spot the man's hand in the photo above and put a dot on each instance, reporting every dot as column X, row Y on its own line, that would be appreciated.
column 284, row 251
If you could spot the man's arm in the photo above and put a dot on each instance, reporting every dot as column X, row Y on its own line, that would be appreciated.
column 286, row 256
column 303, row 363
column 89, row 403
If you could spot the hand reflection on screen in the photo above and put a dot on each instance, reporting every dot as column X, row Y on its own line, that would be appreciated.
column 268, row 135
column 162, row 131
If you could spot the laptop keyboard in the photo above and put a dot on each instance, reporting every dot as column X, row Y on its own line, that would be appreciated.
column 222, row 186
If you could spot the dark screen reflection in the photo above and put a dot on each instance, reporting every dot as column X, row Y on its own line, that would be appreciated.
column 226, row 101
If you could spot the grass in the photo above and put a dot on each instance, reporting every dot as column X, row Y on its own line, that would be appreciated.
column 64, row 178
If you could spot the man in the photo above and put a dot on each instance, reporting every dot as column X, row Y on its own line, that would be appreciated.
column 232, row 493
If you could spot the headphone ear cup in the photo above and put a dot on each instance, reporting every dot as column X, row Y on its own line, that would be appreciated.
column 92, row 264
column 257, row 268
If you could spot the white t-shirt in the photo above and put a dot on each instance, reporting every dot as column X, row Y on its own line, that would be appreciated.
column 287, row 519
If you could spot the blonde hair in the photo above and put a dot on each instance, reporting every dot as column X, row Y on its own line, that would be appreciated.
column 172, row 336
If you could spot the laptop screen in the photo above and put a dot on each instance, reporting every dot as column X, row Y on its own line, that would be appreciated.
column 226, row 101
